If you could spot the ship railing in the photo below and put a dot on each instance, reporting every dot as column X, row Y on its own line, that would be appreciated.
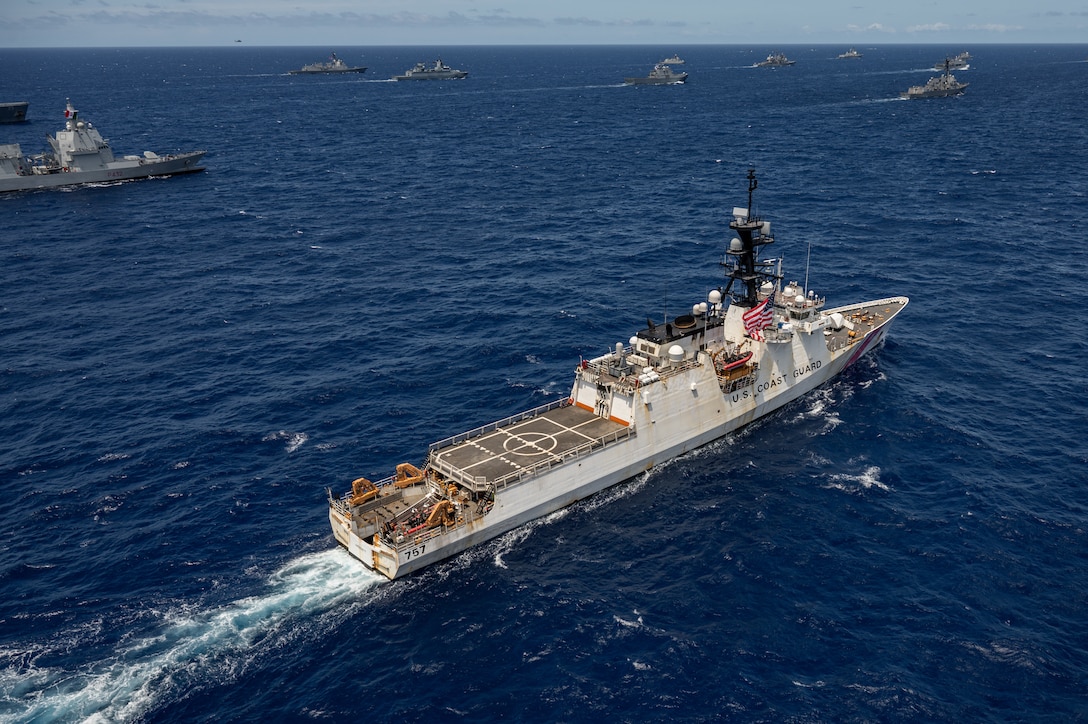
column 468, row 514
column 778, row 334
column 422, row 536
column 491, row 427
column 603, row 366
column 886, row 301
column 622, row 381
column 729, row 385
column 479, row 482
column 595, row 367
column 340, row 505
column 343, row 505
column 675, row 369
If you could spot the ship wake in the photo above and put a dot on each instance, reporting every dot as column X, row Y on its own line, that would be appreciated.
column 219, row 643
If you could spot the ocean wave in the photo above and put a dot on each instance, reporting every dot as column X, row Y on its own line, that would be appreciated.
column 852, row 482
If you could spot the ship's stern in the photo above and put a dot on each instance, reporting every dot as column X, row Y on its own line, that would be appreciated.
column 373, row 554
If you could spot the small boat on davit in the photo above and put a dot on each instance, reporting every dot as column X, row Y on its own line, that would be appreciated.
column 753, row 346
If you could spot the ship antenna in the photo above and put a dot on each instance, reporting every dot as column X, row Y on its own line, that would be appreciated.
column 752, row 184
column 808, row 259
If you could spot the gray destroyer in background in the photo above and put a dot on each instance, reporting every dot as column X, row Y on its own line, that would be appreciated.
column 662, row 74
column 439, row 71
column 956, row 62
column 80, row 155
column 335, row 65
column 940, row 86
column 775, row 60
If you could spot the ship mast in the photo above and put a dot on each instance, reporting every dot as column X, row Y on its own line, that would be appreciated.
column 740, row 261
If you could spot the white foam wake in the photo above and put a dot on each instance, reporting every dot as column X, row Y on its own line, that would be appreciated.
column 217, row 643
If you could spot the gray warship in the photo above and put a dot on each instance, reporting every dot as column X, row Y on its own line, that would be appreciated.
column 334, row 65
column 775, row 60
column 80, row 155
column 438, row 71
column 940, row 86
column 662, row 74
column 956, row 62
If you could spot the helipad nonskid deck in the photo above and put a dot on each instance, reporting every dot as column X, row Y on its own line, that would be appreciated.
column 521, row 446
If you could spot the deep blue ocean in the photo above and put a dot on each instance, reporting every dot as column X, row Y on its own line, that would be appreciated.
column 368, row 266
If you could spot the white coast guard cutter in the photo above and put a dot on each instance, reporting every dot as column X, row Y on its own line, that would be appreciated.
column 751, row 347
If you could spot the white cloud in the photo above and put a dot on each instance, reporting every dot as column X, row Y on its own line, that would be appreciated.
column 930, row 28
column 870, row 28
column 995, row 28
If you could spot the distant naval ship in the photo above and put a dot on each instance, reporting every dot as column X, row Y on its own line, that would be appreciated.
column 753, row 346
column 438, row 71
column 962, row 61
column 775, row 60
column 940, row 86
column 662, row 74
column 334, row 65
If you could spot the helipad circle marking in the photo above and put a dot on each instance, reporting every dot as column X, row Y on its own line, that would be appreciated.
column 530, row 443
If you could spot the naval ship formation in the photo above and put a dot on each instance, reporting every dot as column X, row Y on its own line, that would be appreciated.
column 753, row 346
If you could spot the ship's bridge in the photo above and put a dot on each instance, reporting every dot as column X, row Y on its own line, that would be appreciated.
column 654, row 345
column 798, row 307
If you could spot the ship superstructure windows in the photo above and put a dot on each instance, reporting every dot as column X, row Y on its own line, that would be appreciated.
column 799, row 306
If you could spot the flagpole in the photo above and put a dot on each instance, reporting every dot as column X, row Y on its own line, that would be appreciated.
column 807, row 260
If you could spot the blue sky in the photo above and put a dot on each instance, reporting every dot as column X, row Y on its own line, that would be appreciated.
column 118, row 23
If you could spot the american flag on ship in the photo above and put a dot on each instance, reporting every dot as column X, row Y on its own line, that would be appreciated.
column 759, row 317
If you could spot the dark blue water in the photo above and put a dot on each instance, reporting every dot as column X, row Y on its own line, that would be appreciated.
column 369, row 266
